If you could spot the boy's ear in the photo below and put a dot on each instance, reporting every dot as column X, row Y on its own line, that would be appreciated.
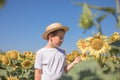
column 50, row 35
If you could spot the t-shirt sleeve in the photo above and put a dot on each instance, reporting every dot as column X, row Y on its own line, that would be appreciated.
column 38, row 60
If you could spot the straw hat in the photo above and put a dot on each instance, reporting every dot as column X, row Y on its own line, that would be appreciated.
column 52, row 27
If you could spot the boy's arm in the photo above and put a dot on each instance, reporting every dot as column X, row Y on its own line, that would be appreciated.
column 38, row 73
column 69, row 67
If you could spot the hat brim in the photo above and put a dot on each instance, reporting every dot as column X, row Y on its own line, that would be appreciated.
column 45, row 34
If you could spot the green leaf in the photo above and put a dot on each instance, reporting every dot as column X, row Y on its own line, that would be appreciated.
column 9, row 69
column 99, row 19
column 2, row 2
column 118, row 24
column 85, row 22
column 3, row 73
column 107, row 9
column 114, row 51
column 86, row 10
column 86, row 19
column 116, row 44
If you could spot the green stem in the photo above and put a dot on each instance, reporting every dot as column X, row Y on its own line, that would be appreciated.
column 22, row 73
column 98, row 27
column 118, row 9
column 106, row 9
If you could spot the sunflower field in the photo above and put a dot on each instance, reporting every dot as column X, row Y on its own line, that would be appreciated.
column 17, row 66
column 100, row 60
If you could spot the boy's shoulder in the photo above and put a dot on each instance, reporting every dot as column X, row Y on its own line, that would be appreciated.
column 39, row 50
column 42, row 50
column 61, row 50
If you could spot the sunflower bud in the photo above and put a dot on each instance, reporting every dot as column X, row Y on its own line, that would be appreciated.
column 86, row 20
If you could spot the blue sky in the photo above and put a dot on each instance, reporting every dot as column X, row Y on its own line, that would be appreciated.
column 22, row 22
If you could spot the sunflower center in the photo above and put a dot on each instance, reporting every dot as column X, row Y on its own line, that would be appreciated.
column 26, row 64
column 97, row 43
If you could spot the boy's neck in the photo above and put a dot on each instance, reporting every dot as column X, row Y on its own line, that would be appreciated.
column 49, row 46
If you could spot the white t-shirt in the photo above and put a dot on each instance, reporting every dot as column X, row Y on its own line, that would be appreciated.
column 52, row 62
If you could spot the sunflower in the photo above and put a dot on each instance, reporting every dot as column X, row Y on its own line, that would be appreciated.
column 28, row 54
column 98, row 45
column 82, row 45
column 67, row 58
column 75, row 53
column 5, row 60
column 83, row 57
column 114, row 37
column 70, row 57
column 20, row 57
column 12, row 78
column 25, row 53
column 13, row 54
column 33, row 56
column 0, row 56
column 26, row 64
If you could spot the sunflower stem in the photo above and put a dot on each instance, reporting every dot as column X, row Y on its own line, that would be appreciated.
column 98, row 27
column 22, row 73
column 118, row 10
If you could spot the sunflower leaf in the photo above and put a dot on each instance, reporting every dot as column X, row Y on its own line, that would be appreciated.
column 99, row 19
column 3, row 72
column 86, row 9
column 118, row 24
column 86, row 20
column 116, row 44
column 2, row 2
column 107, row 9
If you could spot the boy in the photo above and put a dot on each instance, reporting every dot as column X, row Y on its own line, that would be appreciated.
column 50, row 62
